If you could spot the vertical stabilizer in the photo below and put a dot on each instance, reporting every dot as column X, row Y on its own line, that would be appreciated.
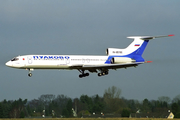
column 137, row 47
column 139, row 44
column 134, row 50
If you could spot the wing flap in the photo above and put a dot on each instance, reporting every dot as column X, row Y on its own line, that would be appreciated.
column 93, row 68
column 78, row 66
column 112, row 66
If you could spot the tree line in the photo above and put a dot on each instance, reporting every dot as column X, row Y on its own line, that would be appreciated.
column 64, row 106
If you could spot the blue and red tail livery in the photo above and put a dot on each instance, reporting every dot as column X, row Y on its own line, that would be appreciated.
column 137, row 45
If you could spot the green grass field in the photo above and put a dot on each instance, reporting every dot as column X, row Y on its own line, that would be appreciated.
column 88, row 119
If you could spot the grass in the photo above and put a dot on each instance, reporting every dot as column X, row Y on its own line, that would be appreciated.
column 86, row 119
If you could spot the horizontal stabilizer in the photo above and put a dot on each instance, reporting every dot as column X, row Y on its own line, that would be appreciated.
column 148, row 37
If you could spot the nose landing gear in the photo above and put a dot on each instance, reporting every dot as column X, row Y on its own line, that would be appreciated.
column 30, row 74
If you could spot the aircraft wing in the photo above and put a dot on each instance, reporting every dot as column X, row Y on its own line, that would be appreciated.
column 112, row 66
column 105, row 66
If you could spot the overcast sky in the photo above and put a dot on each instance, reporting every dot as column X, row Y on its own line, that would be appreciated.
column 89, row 27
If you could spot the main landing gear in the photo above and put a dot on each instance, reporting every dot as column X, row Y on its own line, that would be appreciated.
column 102, row 73
column 83, row 74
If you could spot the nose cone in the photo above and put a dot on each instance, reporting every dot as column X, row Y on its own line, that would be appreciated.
column 9, row 64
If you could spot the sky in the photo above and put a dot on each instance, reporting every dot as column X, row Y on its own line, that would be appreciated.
column 89, row 27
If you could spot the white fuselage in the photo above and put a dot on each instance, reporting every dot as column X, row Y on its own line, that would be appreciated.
column 55, row 61
column 116, row 58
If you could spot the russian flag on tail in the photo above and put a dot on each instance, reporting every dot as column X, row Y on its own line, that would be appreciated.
column 137, row 45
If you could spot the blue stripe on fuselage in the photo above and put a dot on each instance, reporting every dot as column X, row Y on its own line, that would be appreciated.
column 136, row 55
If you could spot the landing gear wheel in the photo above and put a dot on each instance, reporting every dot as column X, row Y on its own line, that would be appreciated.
column 30, row 74
column 82, row 73
column 99, row 74
column 103, row 73
column 106, row 72
column 86, row 74
column 30, row 70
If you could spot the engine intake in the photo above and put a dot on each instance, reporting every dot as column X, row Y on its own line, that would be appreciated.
column 114, row 51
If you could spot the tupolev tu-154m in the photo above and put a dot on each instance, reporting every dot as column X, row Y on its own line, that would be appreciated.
column 115, row 59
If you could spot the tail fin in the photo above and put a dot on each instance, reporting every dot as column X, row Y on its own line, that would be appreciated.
column 139, row 44
column 134, row 50
column 137, row 47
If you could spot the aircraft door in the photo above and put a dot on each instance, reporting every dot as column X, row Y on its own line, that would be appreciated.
column 67, row 59
column 30, row 60
column 83, row 60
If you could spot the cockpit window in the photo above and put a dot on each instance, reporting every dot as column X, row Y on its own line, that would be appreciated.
column 15, row 59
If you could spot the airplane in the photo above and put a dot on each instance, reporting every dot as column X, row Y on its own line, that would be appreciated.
column 115, row 59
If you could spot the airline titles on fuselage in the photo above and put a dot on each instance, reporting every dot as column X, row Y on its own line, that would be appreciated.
column 45, row 57
column 50, row 57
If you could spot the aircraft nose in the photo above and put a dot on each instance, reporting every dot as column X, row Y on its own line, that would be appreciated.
column 9, row 64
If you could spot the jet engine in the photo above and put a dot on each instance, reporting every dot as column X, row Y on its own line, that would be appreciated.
column 114, row 51
column 117, row 60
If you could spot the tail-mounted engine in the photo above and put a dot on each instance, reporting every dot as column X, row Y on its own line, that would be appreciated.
column 118, row 60
column 114, row 51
